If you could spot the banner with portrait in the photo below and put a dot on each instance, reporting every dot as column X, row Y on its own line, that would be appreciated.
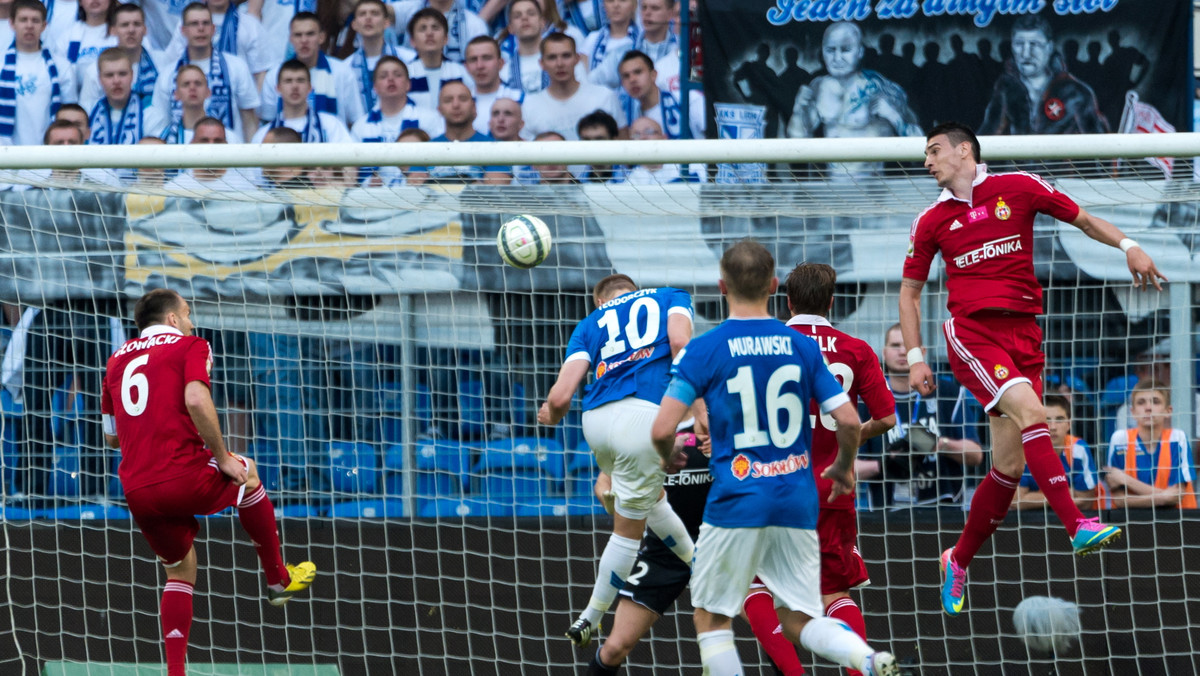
column 863, row 68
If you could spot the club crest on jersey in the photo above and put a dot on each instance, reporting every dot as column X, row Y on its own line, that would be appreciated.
column 1000, row 371
column 601, row 369
column 740, row 466
column 1002, row 210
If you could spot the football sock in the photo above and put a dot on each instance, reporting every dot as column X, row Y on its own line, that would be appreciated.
column 846, row 610
column 176, row 616
column 598, row 668
column 669, row 528
column 836, row 642
column 988, row 507
column 1047, row 470
column 759, row 607
column 718, row 654
column 257, row 515
column 615, row 564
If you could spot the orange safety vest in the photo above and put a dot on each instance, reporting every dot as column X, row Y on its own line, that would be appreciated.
column 1187, row 500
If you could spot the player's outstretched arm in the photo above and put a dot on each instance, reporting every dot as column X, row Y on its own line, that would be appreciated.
column 1141, row 266
column 203, row 412
column 841, row 470
column 558, row 402
column 679, row 332
column 920, row 376
column 873, row 428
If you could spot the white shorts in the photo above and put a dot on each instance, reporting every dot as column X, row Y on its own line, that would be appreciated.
column 619, row 435
column 787, row 560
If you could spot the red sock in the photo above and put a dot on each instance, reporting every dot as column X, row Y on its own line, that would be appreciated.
column 257, row 515
column 1047, row 470
column 176, row 623
column 760, row 610
column 846, row 610
column 988, row 507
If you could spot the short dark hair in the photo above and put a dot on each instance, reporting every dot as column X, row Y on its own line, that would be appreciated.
column 1059, row 401
column 888, row 331
column 428, row 13
column 1034, row 22
column 28, row 4
column 635, row 54
column 958, row 133
column 557, row 37
column 1152, row 385
column 414, row 131
column 810, row 287
column 208, row 121
column 387, row 58
column 292, row 66
column 483, row 39
column 71, row 108
column 283, row 134
column 612, row 283
column 192, row 7
column 154, row 306
column 748, row 268
column 548, row 134
column 599, row 118
column 62, row 124
column 305, row 16
column 125, row 8
column 360, row 3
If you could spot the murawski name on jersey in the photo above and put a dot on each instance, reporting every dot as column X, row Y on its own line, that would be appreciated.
column 757, row 346
column 689, row 477
column 145, row 343
column 742, row 468
column 989, row 250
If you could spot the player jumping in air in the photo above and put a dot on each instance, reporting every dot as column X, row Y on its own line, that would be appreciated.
column 757, row 378
column 158, row 408
column 627, row 343
column 982, row 224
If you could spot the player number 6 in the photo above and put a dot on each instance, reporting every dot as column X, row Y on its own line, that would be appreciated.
column 742, row 385
column 131, row 382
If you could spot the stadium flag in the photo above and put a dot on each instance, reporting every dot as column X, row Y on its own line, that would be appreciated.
column 1143, row 118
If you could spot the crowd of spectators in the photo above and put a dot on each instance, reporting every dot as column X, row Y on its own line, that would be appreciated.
column 456, row 70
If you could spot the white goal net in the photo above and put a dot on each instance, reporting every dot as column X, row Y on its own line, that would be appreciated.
column 384, row 368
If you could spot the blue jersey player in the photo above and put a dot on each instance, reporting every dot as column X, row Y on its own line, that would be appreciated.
column 757, row 377
column 627, row 343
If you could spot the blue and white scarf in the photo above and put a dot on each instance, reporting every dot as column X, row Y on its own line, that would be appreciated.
column 634, row 33
column 8, row 89
column 313, row 131
column 305, row 6
column 509, row 49
column 146, row 79
column 658, row 50
column 568, row 10
column 174, row 132
column 128, row 132
column 668, row 104
column 221, row 94
column 456, row 45
column 366, row 84
column 375, row 117
column 227, row 40
column 321, row 78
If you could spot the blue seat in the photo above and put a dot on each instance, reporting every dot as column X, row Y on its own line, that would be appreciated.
column 393, row 469
column 89, row 512
column 472, row 416
column 524, row 467
column 15, row 514
column 65, row 476
column 1116, row 391
column 297, row 511
column 368, row 509
column 581, row 472
column 457, row 508
column 353, row 467
column 10, row 450
column 115, row 489
column 265, row 455
column 62, row 416
column 391, row 402
column 441, row 468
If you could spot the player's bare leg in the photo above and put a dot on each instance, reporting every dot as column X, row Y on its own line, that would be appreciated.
column 176, row 611
column 257, row 516
column 616, row 562
column 630, row 623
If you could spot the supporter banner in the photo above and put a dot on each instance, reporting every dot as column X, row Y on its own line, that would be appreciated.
column 60, row 243
column 857, row 68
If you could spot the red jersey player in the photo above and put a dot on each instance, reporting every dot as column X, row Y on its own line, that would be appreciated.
column 983, row 226
column 810, row 288
column 158, row 408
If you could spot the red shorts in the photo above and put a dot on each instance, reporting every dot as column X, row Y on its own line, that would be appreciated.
column 165, row 512
column 991, row 352
column 842, row 567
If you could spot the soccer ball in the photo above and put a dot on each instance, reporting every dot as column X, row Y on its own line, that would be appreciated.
column 1047, row 624
column 524, row 241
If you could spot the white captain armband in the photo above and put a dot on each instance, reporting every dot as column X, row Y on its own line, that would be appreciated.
column 1127, row 244
column 916, row 356
column 110, row 425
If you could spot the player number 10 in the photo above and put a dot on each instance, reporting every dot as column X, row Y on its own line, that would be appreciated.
column 133, row 382
column 637, row 339
column 752, row 436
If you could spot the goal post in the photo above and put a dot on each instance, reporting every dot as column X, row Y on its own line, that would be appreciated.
column 384, row 368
